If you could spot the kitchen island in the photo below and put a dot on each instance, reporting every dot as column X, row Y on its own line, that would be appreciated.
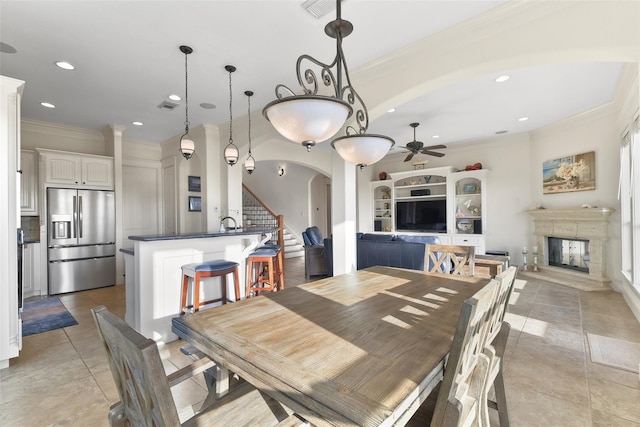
column 153, row 274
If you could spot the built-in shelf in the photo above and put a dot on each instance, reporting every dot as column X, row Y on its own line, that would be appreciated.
column 463, row 193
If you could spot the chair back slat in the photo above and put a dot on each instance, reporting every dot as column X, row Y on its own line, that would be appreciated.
column 450, row 259
column 506, row 280
column 138, row 373
column 494, row 348
column 462, row 386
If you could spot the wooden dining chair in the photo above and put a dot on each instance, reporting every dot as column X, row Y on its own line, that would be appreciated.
column 450, row 259
column 145, row 390
column 458, row 399
column 494, row 348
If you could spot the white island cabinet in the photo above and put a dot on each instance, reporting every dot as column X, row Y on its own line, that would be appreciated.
column 153, row 293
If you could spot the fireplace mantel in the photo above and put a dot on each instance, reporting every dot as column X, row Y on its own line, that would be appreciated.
column 590, row 224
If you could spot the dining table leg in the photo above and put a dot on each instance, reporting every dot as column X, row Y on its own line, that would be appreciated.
column 222, row 381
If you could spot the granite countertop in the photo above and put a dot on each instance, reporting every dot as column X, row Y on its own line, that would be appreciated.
column 239, row 232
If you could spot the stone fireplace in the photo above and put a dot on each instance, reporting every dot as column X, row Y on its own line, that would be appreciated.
column 574, row 249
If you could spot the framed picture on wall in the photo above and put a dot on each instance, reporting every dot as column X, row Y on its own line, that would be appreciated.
column 194, row 183
column 195, row 204
column 570, row 173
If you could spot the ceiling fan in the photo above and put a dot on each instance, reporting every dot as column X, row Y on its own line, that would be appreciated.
column 417, row 147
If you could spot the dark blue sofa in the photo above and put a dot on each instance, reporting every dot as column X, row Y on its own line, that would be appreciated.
column 402, row 250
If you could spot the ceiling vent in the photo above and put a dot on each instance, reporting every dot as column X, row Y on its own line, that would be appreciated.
column 167, row 105
column 319, row 8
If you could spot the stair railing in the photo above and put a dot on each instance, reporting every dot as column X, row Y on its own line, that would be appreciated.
column 278, row 220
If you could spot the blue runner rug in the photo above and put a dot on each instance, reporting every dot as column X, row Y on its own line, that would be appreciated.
column 45, row 315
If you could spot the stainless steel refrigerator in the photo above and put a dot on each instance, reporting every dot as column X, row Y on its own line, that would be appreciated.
column 81, row 239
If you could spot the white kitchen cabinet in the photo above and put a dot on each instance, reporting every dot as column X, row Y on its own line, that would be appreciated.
column 77, row 170
column 31, row 279
column 29, row 183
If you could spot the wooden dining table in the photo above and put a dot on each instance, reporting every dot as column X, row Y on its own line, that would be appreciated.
column 359, row 349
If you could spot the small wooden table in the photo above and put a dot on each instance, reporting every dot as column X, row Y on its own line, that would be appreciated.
column 360, row 349
column 494, row 264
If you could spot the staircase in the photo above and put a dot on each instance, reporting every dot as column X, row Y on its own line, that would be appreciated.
column 255, row 214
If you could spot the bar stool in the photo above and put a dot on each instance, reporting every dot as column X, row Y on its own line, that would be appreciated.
column 280, row 260
column 201, row 270
column 264, row 272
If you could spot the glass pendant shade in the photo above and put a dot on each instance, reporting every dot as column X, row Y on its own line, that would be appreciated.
column 231, row 154
column 362, row 149
column 187, row 146
column 307, row 120
column 250, row 165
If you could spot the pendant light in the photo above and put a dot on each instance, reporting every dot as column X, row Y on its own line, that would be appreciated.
column 187, row 145
column 231, row 152
column 311, row 118
column 250, row 163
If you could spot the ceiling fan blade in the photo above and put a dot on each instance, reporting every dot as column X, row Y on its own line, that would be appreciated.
column 409, row 157
column 432, row 153
column 435, row 147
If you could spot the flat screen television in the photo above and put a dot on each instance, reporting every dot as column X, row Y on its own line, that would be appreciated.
column 422, row 215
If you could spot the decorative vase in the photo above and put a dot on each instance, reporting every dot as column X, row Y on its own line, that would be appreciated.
column 382, row 176
column 573, row 182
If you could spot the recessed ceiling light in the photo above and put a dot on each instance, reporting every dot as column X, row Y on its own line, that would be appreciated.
column 435, row 136
column 523, row 119
column 391, row 110
column 137, row 123
column 502, row 79
column 175, row 97
column 65, row 65
column 501, row 132
column 47, row 104
column 207, row 106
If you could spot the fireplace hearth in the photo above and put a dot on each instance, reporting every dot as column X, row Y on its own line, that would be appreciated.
column 574, row 244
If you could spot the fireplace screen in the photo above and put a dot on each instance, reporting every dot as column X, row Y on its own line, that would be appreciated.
column 570, row 254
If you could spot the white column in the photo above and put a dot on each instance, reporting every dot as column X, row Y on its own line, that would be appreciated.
column 113, row 144
column 214, row 177
column 343, row 215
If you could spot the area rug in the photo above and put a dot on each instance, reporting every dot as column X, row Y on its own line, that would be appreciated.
column 615, row 353
column 45, row 315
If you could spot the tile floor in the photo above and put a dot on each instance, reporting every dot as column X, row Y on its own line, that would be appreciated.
column 62, row 378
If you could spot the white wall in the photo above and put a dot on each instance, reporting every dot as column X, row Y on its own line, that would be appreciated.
column 594, row 131
column 288, row 195
column 64, row 138
column 319, row 203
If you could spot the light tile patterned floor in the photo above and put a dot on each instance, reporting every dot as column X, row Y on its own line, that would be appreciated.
column 62, row 377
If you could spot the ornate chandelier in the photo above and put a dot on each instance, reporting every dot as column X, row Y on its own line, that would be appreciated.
column 311, row 118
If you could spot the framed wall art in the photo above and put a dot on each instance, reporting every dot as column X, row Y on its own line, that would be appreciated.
column 194, row 183
column 195, row 204
column 570, row 173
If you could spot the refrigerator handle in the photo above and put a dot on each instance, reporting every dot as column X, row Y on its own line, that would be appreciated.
column 80, row 215
column 75, row 217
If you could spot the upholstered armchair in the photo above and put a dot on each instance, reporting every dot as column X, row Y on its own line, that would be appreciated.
column 314, row 260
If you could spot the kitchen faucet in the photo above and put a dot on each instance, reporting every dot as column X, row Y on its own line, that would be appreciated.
column 235, row 224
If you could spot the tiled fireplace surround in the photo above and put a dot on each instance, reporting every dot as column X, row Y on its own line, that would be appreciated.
column 590, row 224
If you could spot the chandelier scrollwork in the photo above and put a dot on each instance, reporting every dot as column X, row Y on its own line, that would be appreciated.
column 314, row 117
